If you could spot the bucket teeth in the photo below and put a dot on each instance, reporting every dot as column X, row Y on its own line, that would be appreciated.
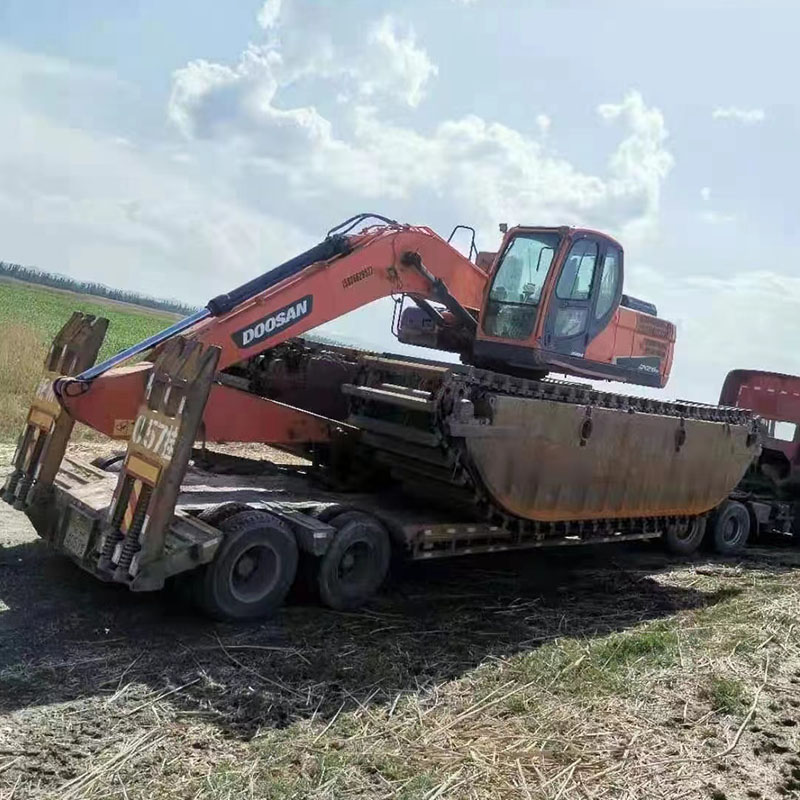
column 44, row 438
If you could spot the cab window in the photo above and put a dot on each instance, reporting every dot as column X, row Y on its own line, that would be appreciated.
column 517, row 285
column 577, row 273
column 609, row 282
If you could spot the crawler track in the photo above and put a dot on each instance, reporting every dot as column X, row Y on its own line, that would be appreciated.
column 432, row 427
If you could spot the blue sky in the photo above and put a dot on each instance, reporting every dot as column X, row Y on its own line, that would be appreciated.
column 179, row 148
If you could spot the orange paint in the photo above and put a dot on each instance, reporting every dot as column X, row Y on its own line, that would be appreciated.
column 324, row 291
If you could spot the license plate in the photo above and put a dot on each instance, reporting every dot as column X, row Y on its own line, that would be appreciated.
column 79, row 529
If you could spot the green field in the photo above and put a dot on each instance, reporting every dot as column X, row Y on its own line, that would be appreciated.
column 46, row 310
column 30, row 316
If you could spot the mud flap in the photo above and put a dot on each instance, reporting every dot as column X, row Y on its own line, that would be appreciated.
column 166, row 427
column 43, row 442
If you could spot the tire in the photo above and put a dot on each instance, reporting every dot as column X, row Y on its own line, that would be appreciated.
column 796, row 524
column 112, row 463
column 216, row 515
column 730, row 528
column 684, row 538
column 252, row 570
column 356, row 563
column 329, row 513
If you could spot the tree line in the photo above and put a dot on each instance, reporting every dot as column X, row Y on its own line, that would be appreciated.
column 56, row 281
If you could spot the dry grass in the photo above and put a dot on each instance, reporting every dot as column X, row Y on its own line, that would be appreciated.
column 595, row 690
column 21, row 365
column 21, row 358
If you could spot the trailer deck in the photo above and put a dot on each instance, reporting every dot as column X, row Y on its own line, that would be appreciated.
column 83, row 495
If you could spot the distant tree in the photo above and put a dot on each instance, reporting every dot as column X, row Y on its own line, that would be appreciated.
column 53, row 279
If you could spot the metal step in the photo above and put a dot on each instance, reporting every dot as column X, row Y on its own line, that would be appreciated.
column 402, row 432
column 429, row 455
column 420, row 470
column 392, row 398
column 397, row 389
column 417, row 367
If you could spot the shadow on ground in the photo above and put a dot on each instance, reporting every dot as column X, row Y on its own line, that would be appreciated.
column 66, row 637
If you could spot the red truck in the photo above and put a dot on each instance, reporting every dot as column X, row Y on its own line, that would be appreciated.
column 767, row 500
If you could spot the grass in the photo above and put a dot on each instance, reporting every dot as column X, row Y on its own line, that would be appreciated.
column 501, row 689
column 614, row 715
column 30, row 317
column 726, row 695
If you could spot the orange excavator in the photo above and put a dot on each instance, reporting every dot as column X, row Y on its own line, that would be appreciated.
column 440, row 459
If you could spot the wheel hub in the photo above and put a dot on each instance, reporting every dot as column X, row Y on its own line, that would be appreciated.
column 245, row 566
column 731, row 530
column 685, row 530
column 355, row 562
column 254, row 574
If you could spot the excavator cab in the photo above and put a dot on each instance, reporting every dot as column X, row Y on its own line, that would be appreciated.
column 554, row 302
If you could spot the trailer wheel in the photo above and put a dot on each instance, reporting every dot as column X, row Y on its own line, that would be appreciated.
column 796, row 523
column 730, row 527
column 112, row 463
column 253, row 569
column 356, row 563
column 683, row 538
column 215, row 515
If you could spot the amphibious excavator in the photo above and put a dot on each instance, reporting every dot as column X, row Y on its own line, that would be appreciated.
column 411, row 457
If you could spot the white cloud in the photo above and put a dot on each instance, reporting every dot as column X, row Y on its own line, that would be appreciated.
column 747, row 116
column 710, row 216
column 269, row 14
column 395, row 63
column 543, row 123
column 480, row 169
column 214, row 101
column 641, row 162
column 78, row 201
column 717, row 218
column 724, row 323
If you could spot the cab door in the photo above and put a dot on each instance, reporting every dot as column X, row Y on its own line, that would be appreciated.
column 585, row 295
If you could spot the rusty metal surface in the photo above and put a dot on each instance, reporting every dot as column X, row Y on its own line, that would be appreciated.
column 547, row 460
column 775, row 397
column 551, row 461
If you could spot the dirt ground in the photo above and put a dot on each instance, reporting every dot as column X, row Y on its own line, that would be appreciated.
column 603, row 672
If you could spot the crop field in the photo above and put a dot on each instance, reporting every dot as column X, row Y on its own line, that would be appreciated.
column 29, row 318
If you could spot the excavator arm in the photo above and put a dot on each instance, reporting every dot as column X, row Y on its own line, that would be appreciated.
column 286, row 302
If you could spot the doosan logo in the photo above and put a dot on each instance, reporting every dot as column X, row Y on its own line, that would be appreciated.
column 274, row 322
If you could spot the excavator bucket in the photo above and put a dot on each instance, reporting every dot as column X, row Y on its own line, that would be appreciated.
column 132, row 538
column 41, row 446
